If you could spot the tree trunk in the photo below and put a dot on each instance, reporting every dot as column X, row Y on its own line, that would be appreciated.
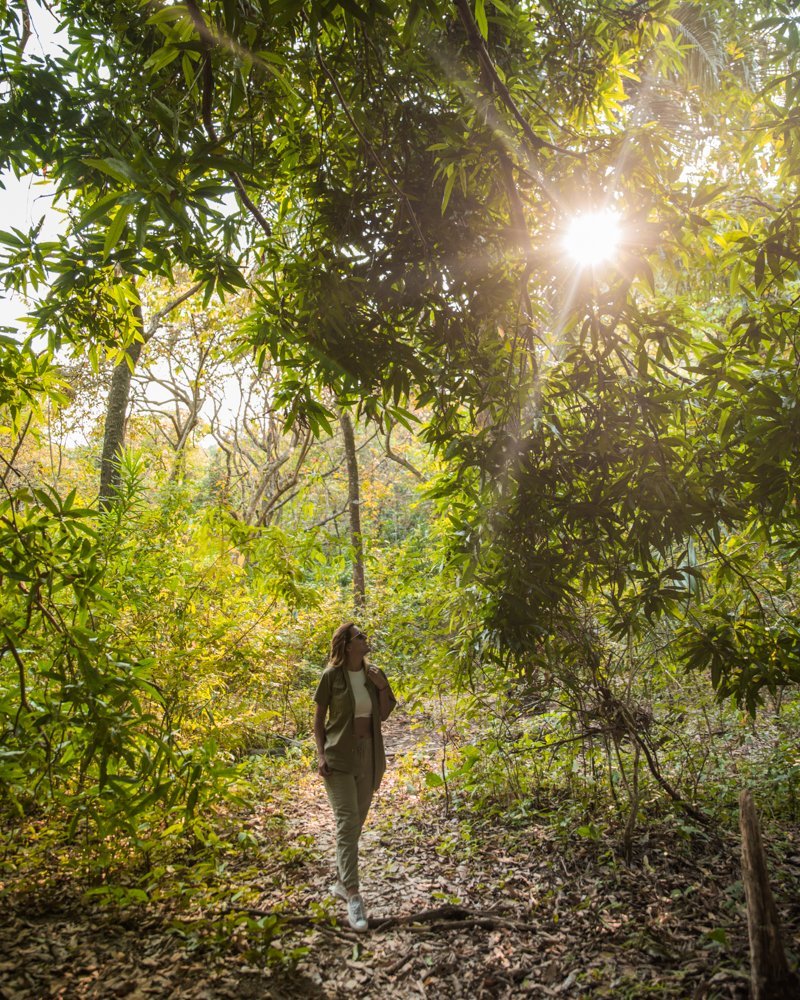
column 770, row 977
column 354, row 506
column 116, row 412
column 120, row 394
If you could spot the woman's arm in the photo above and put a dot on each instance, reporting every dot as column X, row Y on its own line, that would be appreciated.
column 319, row 738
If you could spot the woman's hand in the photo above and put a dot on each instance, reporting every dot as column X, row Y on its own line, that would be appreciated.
column 375, row 676
column 323, row 768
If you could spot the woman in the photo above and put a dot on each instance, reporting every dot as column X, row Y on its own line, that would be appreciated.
column 353, row 698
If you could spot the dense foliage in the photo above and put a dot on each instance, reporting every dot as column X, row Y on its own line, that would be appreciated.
column 592, row 484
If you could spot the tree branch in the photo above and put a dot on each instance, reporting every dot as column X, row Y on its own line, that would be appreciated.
column 494, row 83
column 398, row 458
column 157, row 317
column 209, row 40
column 23, row 698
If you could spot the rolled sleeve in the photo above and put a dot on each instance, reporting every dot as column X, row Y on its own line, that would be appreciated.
column 322, row 696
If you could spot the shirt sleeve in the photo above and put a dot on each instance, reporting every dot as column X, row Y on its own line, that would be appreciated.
column 322, row 696
column 392, row 699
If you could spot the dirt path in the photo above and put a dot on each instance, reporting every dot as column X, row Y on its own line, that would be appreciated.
column 577, row 924
column 574, row 921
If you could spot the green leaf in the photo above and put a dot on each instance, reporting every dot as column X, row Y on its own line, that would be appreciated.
column 115, row 230
column 120, row 170
column 480, row 18
column 162, row 57
column 448, row 188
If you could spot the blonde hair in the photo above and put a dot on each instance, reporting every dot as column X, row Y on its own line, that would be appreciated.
column 339, row 642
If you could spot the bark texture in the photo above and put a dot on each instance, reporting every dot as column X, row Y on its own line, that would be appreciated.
column 770, row 978
column 116, row 415
column 354, row 507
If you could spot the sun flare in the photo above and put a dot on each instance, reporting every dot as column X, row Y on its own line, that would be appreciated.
column 593, row 237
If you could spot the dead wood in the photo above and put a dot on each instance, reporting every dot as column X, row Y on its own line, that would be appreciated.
column 447, row 917
column 770, row 977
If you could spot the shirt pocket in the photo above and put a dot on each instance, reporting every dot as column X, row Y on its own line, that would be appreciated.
column 340, row 706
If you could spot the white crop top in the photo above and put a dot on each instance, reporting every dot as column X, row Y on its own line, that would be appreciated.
column 363, row 701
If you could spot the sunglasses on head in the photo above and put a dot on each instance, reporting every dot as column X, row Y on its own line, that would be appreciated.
column 359, row 635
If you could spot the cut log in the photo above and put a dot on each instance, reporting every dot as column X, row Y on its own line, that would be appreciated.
column 770, row 976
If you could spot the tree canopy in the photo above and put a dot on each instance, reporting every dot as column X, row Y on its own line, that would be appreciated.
column 383, row 189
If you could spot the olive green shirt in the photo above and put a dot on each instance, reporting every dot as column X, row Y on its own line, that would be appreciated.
column 335, row 693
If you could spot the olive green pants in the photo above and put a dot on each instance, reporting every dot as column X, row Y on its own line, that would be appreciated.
column 350, row 796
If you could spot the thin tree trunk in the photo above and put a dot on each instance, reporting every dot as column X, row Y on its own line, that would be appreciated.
column 120, row 394
column 116, row 413
column 179, row 463
column 354, row 506
column 770, row 977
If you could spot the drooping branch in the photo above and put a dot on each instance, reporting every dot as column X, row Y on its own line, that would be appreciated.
column 399, row 458
column 208, row 41
column 493, row 82
column 655, row 769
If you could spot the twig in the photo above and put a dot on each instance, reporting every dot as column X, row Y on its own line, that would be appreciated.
column 9, row 462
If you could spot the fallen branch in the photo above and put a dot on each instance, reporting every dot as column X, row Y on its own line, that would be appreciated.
column 486, row 923
column 447, row 917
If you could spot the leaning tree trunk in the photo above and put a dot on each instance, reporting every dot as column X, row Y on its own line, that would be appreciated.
column 116, row 413
column 770, row 977
column 354, row 506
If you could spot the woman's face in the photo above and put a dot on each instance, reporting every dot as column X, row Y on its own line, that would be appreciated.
column 359, row 642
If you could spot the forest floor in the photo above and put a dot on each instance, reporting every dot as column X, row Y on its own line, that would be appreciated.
column 523, row 909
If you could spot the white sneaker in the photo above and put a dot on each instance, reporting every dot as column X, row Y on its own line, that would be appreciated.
column 337, row 889
column 356, row 916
